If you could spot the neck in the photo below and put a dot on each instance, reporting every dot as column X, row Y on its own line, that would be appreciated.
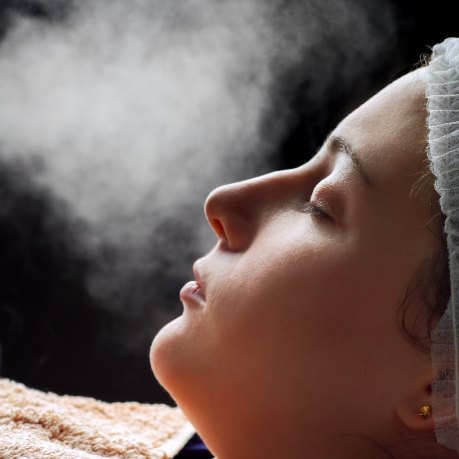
column 274, row 447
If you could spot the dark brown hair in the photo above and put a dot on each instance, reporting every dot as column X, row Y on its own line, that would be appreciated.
column 429, row 289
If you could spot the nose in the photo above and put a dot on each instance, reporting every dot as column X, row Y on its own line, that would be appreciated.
column 236, row 211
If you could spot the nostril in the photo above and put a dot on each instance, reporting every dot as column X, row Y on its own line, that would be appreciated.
column 218, row 228
column 228, row 211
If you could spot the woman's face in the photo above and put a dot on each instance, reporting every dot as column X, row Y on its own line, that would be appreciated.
column 298, row 343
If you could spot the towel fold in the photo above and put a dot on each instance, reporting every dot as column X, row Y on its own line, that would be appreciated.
column 39, row 425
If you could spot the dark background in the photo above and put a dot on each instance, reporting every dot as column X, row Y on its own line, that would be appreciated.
column 53, row 336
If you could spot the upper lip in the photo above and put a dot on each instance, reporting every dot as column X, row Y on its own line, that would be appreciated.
column 197, row 276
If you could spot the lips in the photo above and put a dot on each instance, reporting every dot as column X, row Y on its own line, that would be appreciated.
column 197, row 276
column 192, row 292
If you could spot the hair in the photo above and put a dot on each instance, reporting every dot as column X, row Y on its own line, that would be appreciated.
column 428, row 294
column 430, row 285
column 429, row 289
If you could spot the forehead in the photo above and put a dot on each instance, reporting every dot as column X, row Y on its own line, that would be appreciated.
column 389, row 131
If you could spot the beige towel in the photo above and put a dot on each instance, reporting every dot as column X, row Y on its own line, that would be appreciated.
column 39, row 425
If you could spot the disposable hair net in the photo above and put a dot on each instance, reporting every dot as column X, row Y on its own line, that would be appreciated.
column 443, row 152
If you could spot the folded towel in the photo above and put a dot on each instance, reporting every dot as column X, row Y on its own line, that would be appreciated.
column 39, row 425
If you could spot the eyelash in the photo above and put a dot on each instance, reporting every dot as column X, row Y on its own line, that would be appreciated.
column 312, row 209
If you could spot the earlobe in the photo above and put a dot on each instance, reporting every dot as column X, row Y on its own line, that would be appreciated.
column 416, row 411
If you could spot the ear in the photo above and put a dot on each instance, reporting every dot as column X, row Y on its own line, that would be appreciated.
column 408, row 410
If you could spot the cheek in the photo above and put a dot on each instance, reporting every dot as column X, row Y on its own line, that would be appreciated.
column 272, row 327
column 273, row 320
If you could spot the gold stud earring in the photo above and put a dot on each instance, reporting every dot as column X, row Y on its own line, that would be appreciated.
column 425, row 412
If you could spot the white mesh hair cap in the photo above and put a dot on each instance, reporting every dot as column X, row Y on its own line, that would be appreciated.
column 443, row 152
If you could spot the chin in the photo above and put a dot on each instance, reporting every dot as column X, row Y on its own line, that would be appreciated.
column 165, row 352
column 180, row 365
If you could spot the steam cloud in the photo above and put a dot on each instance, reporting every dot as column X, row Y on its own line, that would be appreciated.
column 132, row 111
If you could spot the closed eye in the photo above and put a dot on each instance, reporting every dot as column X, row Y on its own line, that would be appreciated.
column 315, row 211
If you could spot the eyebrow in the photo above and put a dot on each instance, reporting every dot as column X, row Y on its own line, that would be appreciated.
column 338, row 143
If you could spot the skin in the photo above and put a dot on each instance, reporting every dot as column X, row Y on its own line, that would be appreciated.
column 298, row 350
